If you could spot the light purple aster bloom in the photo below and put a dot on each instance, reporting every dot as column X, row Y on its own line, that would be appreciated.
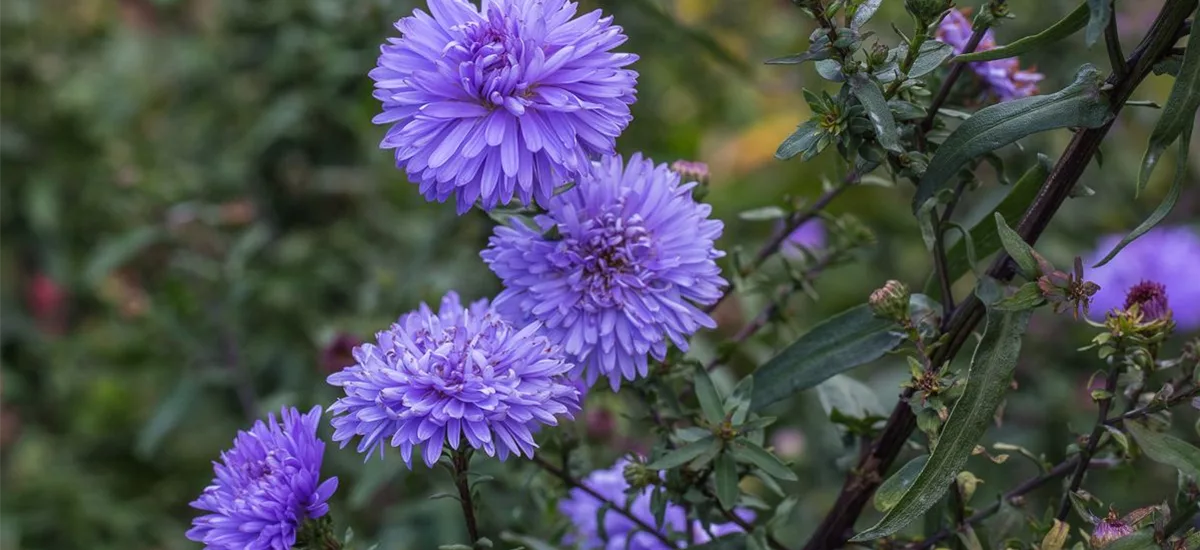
column 615, row 269
column 434, row 378
column 506, row 99
column 1169, row 256
column 810, row 235
column 267, row 485
column 1003, row 78
column 618, row 531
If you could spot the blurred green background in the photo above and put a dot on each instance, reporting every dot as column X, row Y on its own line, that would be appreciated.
column 195, row 208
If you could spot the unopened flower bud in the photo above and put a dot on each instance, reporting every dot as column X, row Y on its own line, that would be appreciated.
column 339, row 353
column 927, row 11
column 891, row 301
column 1110, row 529
column 878, row 55
column 638, row 476
column 691, row 170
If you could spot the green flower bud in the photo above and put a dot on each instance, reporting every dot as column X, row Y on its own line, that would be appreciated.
column 891, row 301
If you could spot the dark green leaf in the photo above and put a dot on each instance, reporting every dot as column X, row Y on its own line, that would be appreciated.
column 1179, row 113
column 1141, row 540
column 1164, row 207
column 1166, row 449
column 710, row 400
column 167, row 416
column 737, row 406
column 864, row 12
column 894, row 487
column 904, row 110
column 682, row 455
column 871, row 98
column 1069, row 25
column 931, row 56
column 725, row 477
column 1079, row 105
column 1099, row 13
column 983, row 235
column 112, row 253
column 853, row 398
column 658, row 505
column 847, row 340
column 1016, row 247
column 1029, row 296
column 745, row 451
column 529, row 542
column 736, row 541
column 803, row 139
column 987, row 383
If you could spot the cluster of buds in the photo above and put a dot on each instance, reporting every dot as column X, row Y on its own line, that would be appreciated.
column 927, row 11
column 638, row 476
column 891, row 302
column 1144, row 323
column 1066, row 291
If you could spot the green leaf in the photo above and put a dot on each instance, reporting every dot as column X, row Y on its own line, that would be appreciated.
column 803, row 139
column 853, row 398
column 1141, row 540
column 1057, row 536
column 1016, row 247
column 864, row 12
column 763, row 214
column 1099, row 13
column 725, row 477
column 817, row 52
column 1179, row 113
column 894, row 487
column 1029, row 296
column 710, row 400
column 736, row 541
column 871, row 98
column 984, row 236
column 529, row 542
column 112, row 253
column 840, row 343
column 1079, row 105
column 1164, row 207
column 931, row 56
column 737, row 406
column 684, row 454
column 1166, row 449
column 167, row 416
column 1069, row 25
column 748, row 452
column 987, row 383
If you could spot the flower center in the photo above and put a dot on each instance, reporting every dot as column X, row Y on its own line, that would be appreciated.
column 491, row 69
column 610, row 255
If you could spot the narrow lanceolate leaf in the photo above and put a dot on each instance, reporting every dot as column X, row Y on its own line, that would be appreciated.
column 864, row 12
column 1099, row 11
column 817, row 54
column 1166, row 449
column 871, row 98
column 803, row 139
column 894, row 487
column 1066, row 27
column 988, row 381
column 1079, row 105
column 847, row 340
column 984, row 237
column 750, row 453
column 684, row 454
column 725, row 477
column 1029, row 296
column 1164, row 207
column 1017, row 248
column 931, row 56
column 1179, row 113
column 1057, row 536
column 710, row 400
column 1141, row 540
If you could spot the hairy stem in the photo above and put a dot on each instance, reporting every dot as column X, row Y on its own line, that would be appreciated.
column 1085, row 456
column 461, row 465
column 838, row 525
column 617, row 507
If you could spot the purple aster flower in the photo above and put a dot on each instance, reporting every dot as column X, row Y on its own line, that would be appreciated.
column 1169, row 256
column 615, row 269
column 618, row 531
column 810, row 235
column 508, row 98
column 1110, row 529
column 1151, row 299
column 267, row 485
column 1003, row 78
column 434, row 378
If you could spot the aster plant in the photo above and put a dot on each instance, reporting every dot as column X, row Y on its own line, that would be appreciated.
column 506, row 99
column 610, row 268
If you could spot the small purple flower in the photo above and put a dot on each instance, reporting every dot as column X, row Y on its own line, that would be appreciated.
column 507, row 99
column 266, row 486
column 615, row 269
column 1003, row 78
column 1169, row 256
column 619, row 532
column 1151, row 299
column 434, row 378
column 1109, row 530
column 810, row 235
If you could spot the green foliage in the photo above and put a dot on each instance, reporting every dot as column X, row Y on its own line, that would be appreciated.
column 1064, row 28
